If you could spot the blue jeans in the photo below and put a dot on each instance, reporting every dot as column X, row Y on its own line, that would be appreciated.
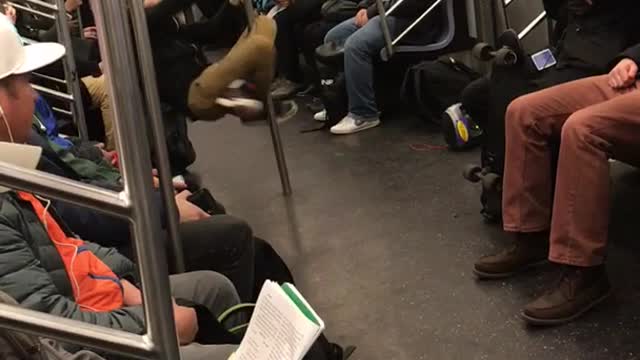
column 361, row 45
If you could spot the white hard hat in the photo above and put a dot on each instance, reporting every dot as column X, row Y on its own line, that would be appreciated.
column 16, row 59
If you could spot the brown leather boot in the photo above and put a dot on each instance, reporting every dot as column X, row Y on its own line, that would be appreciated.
column 577, row 291
column 527, row 251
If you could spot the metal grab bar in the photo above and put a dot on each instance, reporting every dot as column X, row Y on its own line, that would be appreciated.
column 54, row 93
column 31, row 10
column 274, row 127
column 43, row 4
column 50, row 78
column 64, row 189
column 160, row 342
column 410, row 27
column 124, row 84
column 386, row 33
column 532, row 25
column 389, row 42
column 70, row 70
column 150, row 89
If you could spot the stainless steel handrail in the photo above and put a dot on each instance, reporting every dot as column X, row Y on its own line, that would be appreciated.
column 117, row 49
column 274, row 127
column 418, row 20
column 54, row 93
column 71, row 71
column 150, row 90
column 134, row 203
column 32, row 10
column 386, row 33
column 532, row 25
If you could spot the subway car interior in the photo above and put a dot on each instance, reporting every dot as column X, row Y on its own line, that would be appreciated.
column 319, row 179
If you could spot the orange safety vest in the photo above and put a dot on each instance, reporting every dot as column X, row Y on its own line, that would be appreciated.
column 95, row 287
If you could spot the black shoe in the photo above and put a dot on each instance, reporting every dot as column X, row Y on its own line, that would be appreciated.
column 284, row 110
column 577, row 291
column 285, row 89
column 528, row 250
column 338, row 353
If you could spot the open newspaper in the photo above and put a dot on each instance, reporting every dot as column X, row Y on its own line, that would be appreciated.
column 283, row 326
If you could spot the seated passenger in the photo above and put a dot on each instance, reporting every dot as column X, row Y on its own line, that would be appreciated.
column 596, row 118
column 362, row 38
column 207, row 92
column 221, row 242
column 38, row 255
column 89, row 68
column 588, row 36
column 290, row 23
column 218, row 242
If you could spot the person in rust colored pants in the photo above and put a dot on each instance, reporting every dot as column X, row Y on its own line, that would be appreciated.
column 595, row 119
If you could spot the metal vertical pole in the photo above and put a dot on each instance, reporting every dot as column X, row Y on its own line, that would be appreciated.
column 271, row 118
column 150, row 88
column 388, row 42
column 133, row 144
column 277, row 146
column 70, row 70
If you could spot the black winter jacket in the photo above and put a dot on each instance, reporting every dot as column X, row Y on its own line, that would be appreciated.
column 591, row 40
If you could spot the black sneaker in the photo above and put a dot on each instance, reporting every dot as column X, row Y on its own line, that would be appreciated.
column 285, row 89
column 528, row 250
column 577, row 291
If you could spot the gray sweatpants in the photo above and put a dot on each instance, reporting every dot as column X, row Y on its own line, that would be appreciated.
column 217, row 293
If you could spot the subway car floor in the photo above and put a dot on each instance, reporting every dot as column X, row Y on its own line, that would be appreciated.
column 382, row 231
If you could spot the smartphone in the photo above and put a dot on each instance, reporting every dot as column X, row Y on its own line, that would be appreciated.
column 544, row 59
column 205, row 201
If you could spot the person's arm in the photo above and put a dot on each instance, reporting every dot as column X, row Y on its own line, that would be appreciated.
column 23, row 278
column 120, row 265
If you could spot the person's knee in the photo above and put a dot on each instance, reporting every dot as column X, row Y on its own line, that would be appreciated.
column 576, row 129
column 518, row 113
column 215, row 283
column 357, row 45
column 241, row 232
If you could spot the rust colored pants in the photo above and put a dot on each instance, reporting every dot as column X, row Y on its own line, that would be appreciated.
column 252, row 57
column 594, row 123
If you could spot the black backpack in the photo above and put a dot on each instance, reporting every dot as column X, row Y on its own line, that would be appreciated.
column 431, row 87
column 335, row 100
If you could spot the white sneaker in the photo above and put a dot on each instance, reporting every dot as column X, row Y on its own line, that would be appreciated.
column 320, row 116
column 349, row 125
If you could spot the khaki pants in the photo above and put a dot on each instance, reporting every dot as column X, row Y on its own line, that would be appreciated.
column 97, row 87
column 594, row 123
column 252, row 57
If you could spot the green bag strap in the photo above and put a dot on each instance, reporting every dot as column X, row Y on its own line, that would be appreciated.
column 232, row 310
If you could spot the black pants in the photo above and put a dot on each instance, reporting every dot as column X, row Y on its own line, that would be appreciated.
column 291, row 22
column 222, row 25
column 224, row 244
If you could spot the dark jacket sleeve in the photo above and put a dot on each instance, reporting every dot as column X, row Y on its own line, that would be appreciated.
column 632, row 53
column 23, row 278
column 100, row 228
column 556, row 9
